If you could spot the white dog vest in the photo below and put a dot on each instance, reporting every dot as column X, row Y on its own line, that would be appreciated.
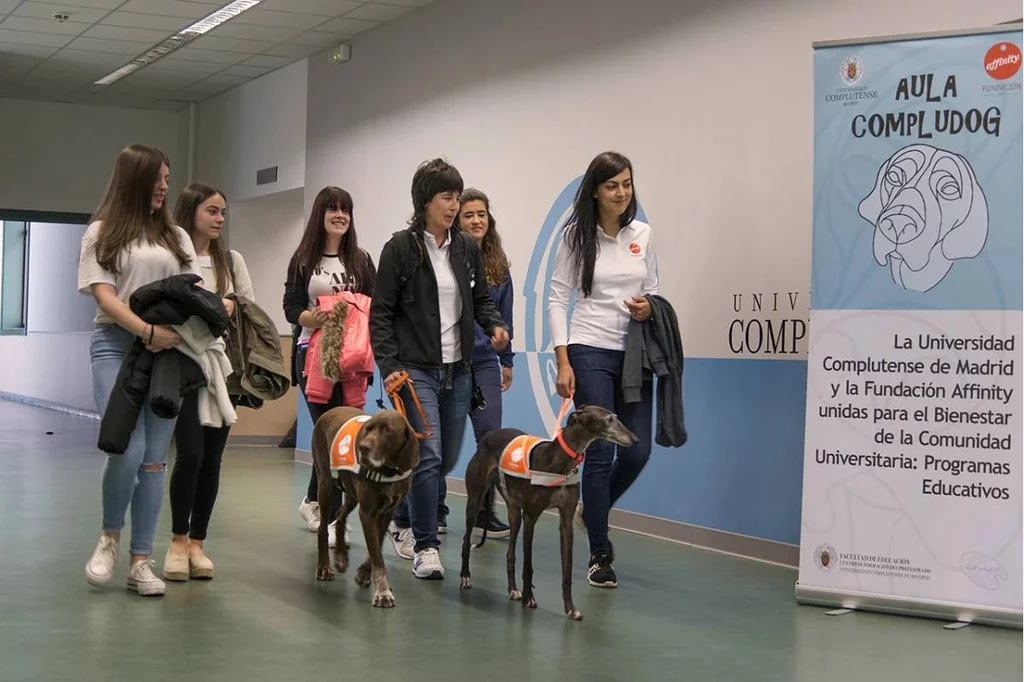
column 515, row 462
column 343, row 453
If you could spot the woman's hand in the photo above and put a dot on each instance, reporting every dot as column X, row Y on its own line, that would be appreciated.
column 639, row 308
column 500, row 338
column 314, row 319
column 506, row 378
column 566, row 381
column 163, row 338
column 392, row 379
column 229, row 306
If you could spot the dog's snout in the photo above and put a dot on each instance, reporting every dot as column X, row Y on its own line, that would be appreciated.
column 900, row 227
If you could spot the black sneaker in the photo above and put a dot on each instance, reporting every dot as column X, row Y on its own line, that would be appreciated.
column 600, row 573
column 495, row 528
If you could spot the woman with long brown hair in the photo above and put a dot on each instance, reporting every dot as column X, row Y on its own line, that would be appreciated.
column 201, row 211
column 130, row 243
column 327, row 261
column 492, row 369
column 607, row 257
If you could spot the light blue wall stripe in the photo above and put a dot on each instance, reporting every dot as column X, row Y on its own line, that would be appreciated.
column 741, row 470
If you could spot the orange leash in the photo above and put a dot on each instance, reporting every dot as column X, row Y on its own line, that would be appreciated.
column 394, row 392
column 557, row 436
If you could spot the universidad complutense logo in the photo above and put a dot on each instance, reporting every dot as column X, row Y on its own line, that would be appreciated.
column 1003, row 60
column 540, row 353
column 825, row 557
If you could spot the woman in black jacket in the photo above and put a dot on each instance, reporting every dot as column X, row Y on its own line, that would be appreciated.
column 327, row 261
column 430, row 290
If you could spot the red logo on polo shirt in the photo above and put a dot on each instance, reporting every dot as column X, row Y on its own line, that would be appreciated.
column 634, row 249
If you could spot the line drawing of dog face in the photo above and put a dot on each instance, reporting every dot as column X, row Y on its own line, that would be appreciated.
column 928, row 210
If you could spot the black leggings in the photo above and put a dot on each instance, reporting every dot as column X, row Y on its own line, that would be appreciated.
column 195, row 479
column 317, row 410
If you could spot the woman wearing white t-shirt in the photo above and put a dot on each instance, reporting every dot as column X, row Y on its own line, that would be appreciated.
column 607, row 258
column 131, row 243
column 195, row 479
column 327, row 261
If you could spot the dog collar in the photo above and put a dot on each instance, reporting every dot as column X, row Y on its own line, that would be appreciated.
column 378, row 476
column 567, row 450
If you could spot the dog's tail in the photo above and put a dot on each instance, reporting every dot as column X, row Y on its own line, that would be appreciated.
column 488, row 504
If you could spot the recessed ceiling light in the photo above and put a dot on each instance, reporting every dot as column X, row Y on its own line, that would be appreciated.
column 180, row 39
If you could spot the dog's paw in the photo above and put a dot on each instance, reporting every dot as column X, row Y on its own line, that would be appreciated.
column 515, row 595
column 574, row 614
column 341, row 566
column 466, row 583
column 529, row 603
column 363, row 578
column 324, row 573
column 384, row 600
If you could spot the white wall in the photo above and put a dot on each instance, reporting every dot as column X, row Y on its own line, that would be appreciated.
column 54, row 304
column 266, row 230
column 711, row 100
column 50, row 367
column 58, row 157
column 257, row 125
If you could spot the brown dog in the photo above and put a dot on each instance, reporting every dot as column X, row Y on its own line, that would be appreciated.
column 372, row 459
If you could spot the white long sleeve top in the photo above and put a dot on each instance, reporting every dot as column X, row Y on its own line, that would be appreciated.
column 626, row 266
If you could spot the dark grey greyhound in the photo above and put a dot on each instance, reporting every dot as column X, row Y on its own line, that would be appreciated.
column 534, row 475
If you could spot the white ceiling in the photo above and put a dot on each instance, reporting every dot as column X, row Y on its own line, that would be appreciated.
column 43, row 59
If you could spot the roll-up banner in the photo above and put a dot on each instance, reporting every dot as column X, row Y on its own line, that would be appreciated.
column 912, row 454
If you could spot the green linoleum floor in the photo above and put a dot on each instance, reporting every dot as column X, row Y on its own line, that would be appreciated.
column 679, row 613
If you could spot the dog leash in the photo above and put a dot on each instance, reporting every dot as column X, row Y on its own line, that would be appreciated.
column 394, row 389
column 557, row 437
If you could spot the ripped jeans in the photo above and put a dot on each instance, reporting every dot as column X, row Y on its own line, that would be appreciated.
column 137, row 476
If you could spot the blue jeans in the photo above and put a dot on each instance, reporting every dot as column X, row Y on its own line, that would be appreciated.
column 444, row 393
column 137, row 476
column 488, row 378
column 606, row 477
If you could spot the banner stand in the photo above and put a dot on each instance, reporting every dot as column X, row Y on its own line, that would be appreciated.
column 912, row 479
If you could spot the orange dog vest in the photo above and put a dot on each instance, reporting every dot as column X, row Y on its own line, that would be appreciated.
column 515, row 461
column 343, row 453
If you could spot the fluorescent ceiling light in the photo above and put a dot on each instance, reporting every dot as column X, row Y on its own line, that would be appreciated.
column 220, row 16
column 180, row 39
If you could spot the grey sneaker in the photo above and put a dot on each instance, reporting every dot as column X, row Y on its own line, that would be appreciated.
column 403, row 541
column 427, row 564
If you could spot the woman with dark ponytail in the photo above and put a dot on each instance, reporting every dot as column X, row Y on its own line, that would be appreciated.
column 608, row 259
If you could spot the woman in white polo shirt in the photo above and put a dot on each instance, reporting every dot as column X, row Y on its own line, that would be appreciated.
column 607, row 258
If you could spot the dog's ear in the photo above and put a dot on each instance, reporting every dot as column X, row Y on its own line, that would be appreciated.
column 967, row 238
column 403, row 446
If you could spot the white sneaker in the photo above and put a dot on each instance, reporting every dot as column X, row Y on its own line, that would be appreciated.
column 403, row 541
column 332, row 534
column 143, row 580
column 427, row 564
column 310, row 513
column 100, row 567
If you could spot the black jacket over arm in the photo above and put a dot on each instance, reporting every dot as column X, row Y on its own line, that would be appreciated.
column 161, row 378
column 405, row 319
column 655, row 346
column 296, row 299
